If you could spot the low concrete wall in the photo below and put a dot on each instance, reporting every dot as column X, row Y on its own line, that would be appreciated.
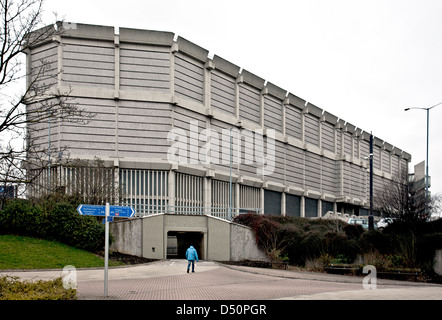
column 127, row 236
column 243, row 244
column 438, row 262
column 154, row 241
column 218, row 240
column 222, row 240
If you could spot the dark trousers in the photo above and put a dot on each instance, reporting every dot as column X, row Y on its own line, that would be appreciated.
column 193, row 265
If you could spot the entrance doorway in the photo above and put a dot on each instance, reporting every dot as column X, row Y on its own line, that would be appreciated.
column 179, row 241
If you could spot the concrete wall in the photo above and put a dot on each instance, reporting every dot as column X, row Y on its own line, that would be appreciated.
column 222, row 240
column 127, row 236
column 243, row 244
column 219, row 241
column 438, row 262
column 153, row 237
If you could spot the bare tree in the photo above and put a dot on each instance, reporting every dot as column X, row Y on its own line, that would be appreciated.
column 26, row 111
column 405, row 200
column 89, row 180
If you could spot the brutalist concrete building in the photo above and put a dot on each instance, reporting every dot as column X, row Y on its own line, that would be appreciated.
column 177, row 131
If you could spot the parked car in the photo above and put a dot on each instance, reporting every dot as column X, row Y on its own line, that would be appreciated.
column 385, row 222
column 359, row 221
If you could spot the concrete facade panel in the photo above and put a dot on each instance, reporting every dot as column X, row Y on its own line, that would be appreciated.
column 312, row 129
column 273, row 113
column 223, row 92
column 249, row 103
column 189, row 78
column 328, row 137
column 293, row 122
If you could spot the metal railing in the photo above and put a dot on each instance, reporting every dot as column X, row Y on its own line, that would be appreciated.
column 219, row 212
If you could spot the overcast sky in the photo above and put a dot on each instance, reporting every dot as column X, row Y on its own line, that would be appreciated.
column 363, row 61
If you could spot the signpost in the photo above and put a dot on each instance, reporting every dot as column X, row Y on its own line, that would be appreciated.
column 106, row 248
column 108, row 212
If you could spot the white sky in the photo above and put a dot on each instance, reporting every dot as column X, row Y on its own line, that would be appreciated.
column 363, row 61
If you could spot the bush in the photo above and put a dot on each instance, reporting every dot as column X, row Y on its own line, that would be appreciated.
column 301, row 239
column 67, row 226
column 374, row 240
column 62, row 223
column 353, row 231
column 427, row 245
column 21, row 217
column 13, row 289
column 304, row 240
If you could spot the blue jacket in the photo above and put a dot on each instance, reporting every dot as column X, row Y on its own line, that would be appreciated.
column 191, row 254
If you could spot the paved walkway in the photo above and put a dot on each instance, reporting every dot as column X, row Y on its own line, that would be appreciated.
column 168, row 280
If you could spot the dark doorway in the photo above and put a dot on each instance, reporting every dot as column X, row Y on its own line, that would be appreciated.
column 183, row 241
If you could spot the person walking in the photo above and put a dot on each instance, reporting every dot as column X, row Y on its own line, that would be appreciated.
column 191, row 256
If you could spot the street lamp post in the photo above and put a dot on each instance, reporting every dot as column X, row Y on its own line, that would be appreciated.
column 370, row 158
column 230, row 180
column 238, row 124
column 370, row 216
column 426, row 164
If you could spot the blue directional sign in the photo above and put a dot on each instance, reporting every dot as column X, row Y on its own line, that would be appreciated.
column 91, row 210
column 114, row 211
column 120, row 211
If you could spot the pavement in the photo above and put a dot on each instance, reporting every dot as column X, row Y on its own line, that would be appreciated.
column 168, row 280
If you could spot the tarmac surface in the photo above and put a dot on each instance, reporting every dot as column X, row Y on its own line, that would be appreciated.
column 168, row 280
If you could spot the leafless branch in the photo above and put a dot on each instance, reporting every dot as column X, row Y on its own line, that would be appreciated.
column 41, row 103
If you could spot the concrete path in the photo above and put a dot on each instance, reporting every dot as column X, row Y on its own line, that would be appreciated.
column 168, row 280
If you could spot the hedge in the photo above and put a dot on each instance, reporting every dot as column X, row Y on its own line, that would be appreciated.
column 61, row 223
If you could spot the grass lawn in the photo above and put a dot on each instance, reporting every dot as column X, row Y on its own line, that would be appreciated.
column 17, row 252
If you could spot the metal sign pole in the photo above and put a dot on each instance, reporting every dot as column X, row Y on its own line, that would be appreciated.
column 106, row 248
column 99, row 211
column 109, row 212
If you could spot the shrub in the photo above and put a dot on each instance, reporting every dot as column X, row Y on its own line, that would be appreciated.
column 374, row 240
column 427, row 245
column 13, row 289
column 300, row 239
column 353, row 231
column 62, row 223
column 21, row 217
column 308, row 241
column 67, row 226
column 342, row 258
